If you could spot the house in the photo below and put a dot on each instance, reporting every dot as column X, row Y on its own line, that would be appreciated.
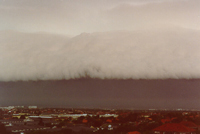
column 109, row 121
column 19, row 129
column 134, row 132
column 190, row 124
column 84, row 121
column 173, row 128
column 11, row 122
column 165, row 120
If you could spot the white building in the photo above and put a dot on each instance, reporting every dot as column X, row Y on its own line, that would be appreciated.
column 32, row 107
column 109, row 115
column 74, row 116
column 7, row 108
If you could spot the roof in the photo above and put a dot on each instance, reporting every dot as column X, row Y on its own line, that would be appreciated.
column 189, row 124
column 39, row 116
column 134, row 132
column 12, row 120
column 173, row 127
column 25, row 127
column 165, row 120
column 109, row 120
column 84, row 121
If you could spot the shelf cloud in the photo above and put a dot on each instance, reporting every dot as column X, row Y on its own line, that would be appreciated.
column 171, row 52
column 115, row 39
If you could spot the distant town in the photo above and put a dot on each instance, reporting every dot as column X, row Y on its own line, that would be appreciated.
column 37, row 120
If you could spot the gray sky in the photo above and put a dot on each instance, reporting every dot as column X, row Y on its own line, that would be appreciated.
column 76, row 16
column 109, row 41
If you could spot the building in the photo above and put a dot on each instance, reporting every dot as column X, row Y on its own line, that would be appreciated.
column 109, row 115
column 7, row 108
column 12, row 122
column 190, row 125
column 21, row 107
column 173, row 128
column 74, row 116
column 32, row 107
column 134, row 132
column 24, row 128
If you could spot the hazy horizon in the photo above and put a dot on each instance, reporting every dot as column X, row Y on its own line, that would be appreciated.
column 109, row 93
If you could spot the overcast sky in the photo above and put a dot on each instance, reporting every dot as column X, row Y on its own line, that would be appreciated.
column 76, row 16
column 117, row 40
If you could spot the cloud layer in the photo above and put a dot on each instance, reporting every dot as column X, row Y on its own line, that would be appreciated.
column 171, row 52
column 135, row 39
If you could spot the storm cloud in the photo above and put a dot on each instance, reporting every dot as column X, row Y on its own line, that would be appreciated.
column 149, row 54
column 53, row 40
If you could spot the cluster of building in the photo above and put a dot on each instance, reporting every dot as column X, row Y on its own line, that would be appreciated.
column 185, row 127
column 23, row 120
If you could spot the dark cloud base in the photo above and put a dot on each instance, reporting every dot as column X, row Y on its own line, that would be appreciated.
column 98, row 93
